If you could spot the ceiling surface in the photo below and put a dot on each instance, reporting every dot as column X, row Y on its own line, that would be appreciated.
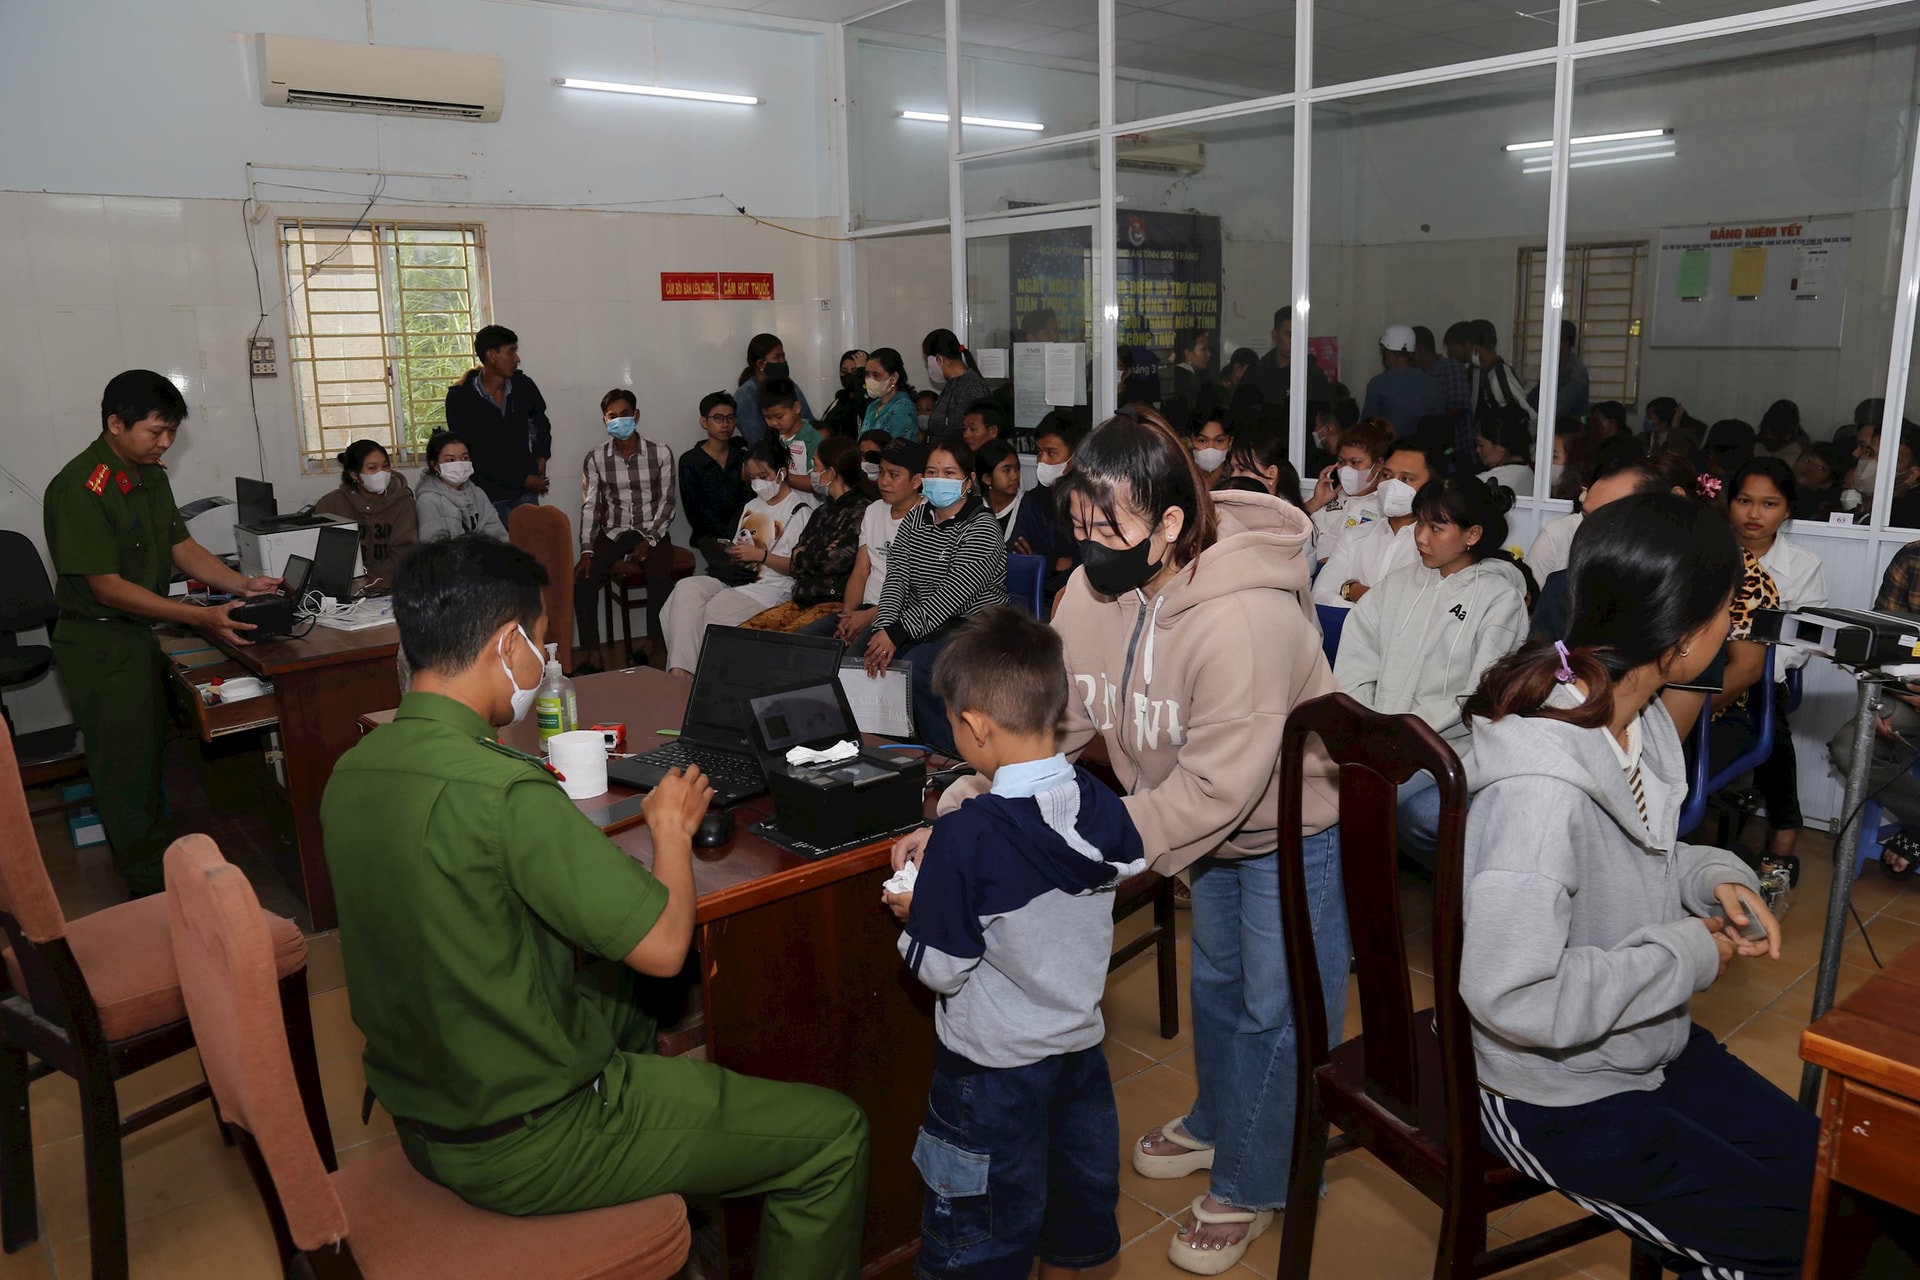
column 1249, row 43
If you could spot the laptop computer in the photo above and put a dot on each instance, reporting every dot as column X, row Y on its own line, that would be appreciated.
column 335, row 552
column 735, row 665
column 260, row 510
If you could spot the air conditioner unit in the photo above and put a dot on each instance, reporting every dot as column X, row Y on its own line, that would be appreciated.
column 1180, row 152
column 337, row 75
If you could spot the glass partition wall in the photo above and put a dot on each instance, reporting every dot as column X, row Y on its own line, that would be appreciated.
column 1712, row 199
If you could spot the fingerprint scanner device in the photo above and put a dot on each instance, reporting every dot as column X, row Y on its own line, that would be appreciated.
column 273, row 615
column 866, row 794
column 1889, row 642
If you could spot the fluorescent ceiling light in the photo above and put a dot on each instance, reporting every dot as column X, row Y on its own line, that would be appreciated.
column 1540, row 165
column 655, row 91
column 1598, row 137
column 979, row 122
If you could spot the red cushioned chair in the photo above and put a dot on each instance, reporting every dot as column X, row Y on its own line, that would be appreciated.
column 98, row 998
column 376, row 1218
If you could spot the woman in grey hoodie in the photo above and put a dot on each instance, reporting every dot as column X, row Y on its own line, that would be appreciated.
column 449, row 503
column 1589, row 925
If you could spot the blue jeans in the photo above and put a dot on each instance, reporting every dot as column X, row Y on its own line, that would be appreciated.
column 1419, row 818
column 505, row 509
column 1020, row 1163
column 1244, row 1048
column 930, row 726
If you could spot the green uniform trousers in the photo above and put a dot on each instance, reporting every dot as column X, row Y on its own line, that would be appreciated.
column 117, row 686
column 653, row 1125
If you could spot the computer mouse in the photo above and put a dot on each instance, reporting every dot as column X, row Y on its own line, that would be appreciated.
column 715, row 829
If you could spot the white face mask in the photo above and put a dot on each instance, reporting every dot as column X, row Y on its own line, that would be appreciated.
column 1048, row 472
column 922, row 419
column 375, row 482
column 522, row 698
column 935, row 374
column 1209, row 459
column 877, row 387
column 1396, row 498
column 871, row 470
column 1863, row 476
column 765, row 489
column 1354, row 480
column 456, row 472
column 1559, row 469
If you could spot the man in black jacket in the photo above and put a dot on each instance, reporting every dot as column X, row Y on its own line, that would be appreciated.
column 500, row 414
column 1274, row 371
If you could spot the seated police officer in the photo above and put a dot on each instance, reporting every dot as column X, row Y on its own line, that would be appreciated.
column 466, row 879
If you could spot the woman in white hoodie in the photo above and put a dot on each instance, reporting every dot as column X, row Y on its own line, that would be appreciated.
column 448, row 502
column 1418, row 642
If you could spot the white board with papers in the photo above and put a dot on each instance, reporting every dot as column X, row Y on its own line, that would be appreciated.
column 1768, row 285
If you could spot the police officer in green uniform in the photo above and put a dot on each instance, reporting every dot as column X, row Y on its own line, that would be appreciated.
column 465, row 880
column 115, row 535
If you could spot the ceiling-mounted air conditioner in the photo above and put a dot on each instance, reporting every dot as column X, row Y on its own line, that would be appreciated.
column 1176, row 152
column 338, row 75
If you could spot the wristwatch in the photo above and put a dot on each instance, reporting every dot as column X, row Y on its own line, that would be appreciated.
column 1346, row 590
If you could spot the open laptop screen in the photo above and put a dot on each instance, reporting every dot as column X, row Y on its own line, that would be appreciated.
column 736, row 665
column 794, row 717
column 255, row 500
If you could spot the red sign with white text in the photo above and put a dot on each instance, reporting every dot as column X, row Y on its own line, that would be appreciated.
column 746, row 286
column 689, row 286
column 716, row 286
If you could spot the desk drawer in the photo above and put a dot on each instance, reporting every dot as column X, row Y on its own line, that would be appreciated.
column 227, row 717
column 1875, row 1136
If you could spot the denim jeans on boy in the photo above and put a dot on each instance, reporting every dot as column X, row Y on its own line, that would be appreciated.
column 1020, row 1163
column 1244, row 1048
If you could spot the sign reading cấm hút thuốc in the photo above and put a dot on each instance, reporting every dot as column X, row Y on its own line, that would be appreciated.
column 716, row 286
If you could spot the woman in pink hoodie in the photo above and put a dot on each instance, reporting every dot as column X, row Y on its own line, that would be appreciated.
column 1189, row 635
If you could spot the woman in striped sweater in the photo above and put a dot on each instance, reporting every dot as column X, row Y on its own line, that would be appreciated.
column 948, row 562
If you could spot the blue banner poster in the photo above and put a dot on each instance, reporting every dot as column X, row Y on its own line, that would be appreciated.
column 1168, row 278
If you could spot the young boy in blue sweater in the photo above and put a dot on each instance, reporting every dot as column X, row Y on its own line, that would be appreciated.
column 1009, row 919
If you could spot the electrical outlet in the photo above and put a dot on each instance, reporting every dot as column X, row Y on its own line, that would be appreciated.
column 260, row 356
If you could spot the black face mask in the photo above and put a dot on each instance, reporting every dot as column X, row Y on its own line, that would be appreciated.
column 776, row 370
column 855, row 380
column 1114, row 573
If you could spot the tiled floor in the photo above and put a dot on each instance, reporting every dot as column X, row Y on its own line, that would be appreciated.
column 194, row 1213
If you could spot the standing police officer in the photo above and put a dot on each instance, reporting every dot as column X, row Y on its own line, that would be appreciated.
column 466, row 879
column 115, row 535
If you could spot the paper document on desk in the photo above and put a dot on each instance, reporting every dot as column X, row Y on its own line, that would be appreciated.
column 883, row 706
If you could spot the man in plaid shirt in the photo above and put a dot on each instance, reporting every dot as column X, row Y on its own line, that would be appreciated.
column 1900, row 585
column 626, row 513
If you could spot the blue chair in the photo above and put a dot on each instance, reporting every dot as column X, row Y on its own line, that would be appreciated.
column 1699, row 786
column 1027, row 584
column 1332, row 620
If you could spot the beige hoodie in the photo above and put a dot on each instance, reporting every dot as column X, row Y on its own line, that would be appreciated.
column 1191, row 689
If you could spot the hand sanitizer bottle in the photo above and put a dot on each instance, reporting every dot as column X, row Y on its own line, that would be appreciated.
column 554, row 706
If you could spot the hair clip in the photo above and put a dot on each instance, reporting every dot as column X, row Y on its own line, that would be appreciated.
column 1707, row 487
column 1565, row 674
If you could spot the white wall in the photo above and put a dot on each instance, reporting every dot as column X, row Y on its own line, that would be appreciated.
column 124, row 245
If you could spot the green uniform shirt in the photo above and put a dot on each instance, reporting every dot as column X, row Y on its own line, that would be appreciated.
column 103, row 516
column 465, row 878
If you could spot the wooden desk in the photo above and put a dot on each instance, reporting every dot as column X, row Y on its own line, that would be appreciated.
column 1869, row 1044
column 322, row 682
column 800, row 976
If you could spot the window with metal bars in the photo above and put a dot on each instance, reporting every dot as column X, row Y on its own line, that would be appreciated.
column 1606, row 297
column 380, row 321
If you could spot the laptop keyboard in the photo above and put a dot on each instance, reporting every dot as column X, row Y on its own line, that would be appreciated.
column 728, row 771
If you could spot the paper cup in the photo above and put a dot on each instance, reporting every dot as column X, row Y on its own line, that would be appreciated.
column 580, row 758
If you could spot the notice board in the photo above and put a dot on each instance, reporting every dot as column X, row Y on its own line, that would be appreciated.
column 1771, row 283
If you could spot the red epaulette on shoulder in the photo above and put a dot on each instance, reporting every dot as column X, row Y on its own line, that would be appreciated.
column 97, row 482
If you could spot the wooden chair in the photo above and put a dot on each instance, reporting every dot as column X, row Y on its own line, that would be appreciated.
column 98, row 998
column 548, row 535
column 1150, row 888
column 627, row 591
column 377, row 1217
column 1406, row 1089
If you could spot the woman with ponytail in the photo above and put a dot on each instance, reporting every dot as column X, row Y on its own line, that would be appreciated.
column 1590, row 925
column 376, row 497
column 952, row 370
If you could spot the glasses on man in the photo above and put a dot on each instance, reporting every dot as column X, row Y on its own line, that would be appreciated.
column 722, row 419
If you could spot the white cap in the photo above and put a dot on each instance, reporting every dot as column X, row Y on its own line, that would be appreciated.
column 1397, row 337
